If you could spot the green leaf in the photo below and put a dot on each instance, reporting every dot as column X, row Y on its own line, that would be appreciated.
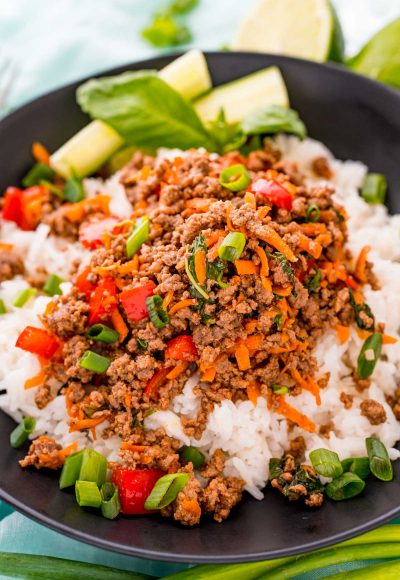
column 145, row 111
column 274, row 119
column 228, row 137
column 166, row 31
column 182, row 6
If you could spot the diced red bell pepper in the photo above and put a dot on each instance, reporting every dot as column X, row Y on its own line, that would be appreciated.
column 156, row 381
column 301, row 274
column 91, row 234
column 38, row 341
column 83, row 284
column 274, row 192
column 24, row 206
column 351, row 282
column 182, row 348
column 134, row 487
column 102, row 301
column 134, row 301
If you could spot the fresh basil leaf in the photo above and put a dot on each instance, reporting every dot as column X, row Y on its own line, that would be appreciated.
column 228, row 137
column 274, row 119
column 286, row 267
column 182, row 6
column 358, row 309
column 145, row 111
column 166, row 31
column 313, row 282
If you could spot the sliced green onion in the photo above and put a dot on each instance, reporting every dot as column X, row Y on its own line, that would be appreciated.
column 94, row 467
column 94, row 362
column 312, row 214
column 73, row 190
column 158, row 316
column 139, row 235
column 344, row 487
column 37, row 174
column 235, row 177
column 357, row 465
column 3, row 308
column 71, row 469
column 280, row 389
column 194, row 282
column 23, row 296
column 142, row 343
column 52, row 285
column 369, row 355
column 22, row 432
column 232, row 246
column 102, row 333
column 87, row 494
column 165, row 490
column 379, row 461
column 110, row 506
column 374, row 188
column 189, row 453
column 53, row 188
column 326, row 462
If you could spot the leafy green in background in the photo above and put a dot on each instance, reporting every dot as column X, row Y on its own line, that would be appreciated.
column 167, row 27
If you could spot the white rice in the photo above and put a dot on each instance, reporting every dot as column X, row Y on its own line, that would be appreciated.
column 250, row 435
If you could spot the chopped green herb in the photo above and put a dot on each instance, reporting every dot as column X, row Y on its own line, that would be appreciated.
column 278, row 321
column 286, row 267
column 358, row 310
column 313, row 282
column 197, row 290
column 190, row 453
column 215, row 271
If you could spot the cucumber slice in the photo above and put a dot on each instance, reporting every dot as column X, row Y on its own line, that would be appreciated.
column 86, row 151
column 307, row 29
column 241, row 97
column 188, row 74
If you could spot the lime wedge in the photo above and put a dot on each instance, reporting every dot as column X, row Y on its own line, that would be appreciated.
column 308, row 29
column 380, row 57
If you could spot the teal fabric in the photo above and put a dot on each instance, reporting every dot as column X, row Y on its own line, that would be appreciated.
column 55, row 42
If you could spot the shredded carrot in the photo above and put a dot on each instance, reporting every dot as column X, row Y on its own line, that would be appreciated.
column 200, row 266
column 178, row 370
column 263, row 212
column 313, row 229
column 145, row 172
column 6, row 247
column 264, row 271
column 313, row 388
column 131, row 266
column 191, row 506
column 386, row 339
column 284, row 309
column 290, row 187
column 266, row 283
column 296, row 417
column 168, row 299
column 361, row 263
column 324, row 239
column 343, row 333
column 40, row 153
column 282, row 349
column 209, row 375
column 246, row 267
column 274, row 239
column 87, row 424
column 119, row 324
column 311, row 246
column 198, row 204
column 182, row 304
column 250, row 198
column 228, row 217
column 213, row 237
column 250, row 325
column 76, row 211
column 254, row 341
column 253, row 392
column 242, row 356
column 69, row 449
column 36, row 380
column 125, row 446
column 94, row 434
column 128, row 400
column 282, row 290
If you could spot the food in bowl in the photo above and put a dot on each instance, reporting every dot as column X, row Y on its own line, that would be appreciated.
column 200, row 321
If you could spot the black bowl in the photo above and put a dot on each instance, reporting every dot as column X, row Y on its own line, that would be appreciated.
column 358, row 119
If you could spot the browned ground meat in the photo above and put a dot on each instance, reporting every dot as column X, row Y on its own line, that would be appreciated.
column 69, row 316
column 347, row 400
column 321, row 167
column 221, row 495
column 373, row 411
column 43, row 452
column 10, row 265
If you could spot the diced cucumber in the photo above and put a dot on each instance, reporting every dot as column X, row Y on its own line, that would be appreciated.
column 188, row 74
column 241, row 97
column 87, row 150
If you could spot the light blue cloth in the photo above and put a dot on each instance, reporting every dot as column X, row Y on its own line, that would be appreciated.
column 53, row 42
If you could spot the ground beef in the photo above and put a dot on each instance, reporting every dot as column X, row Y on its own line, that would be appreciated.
column 221, row 495
column 215, row 466
column 346, row 399
column 43, row 452
column 43, row 396
column 373, row 411
column 186, row 508
column 10, row 265
column 69, row 316
column 321, row 167
column 297, row 447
